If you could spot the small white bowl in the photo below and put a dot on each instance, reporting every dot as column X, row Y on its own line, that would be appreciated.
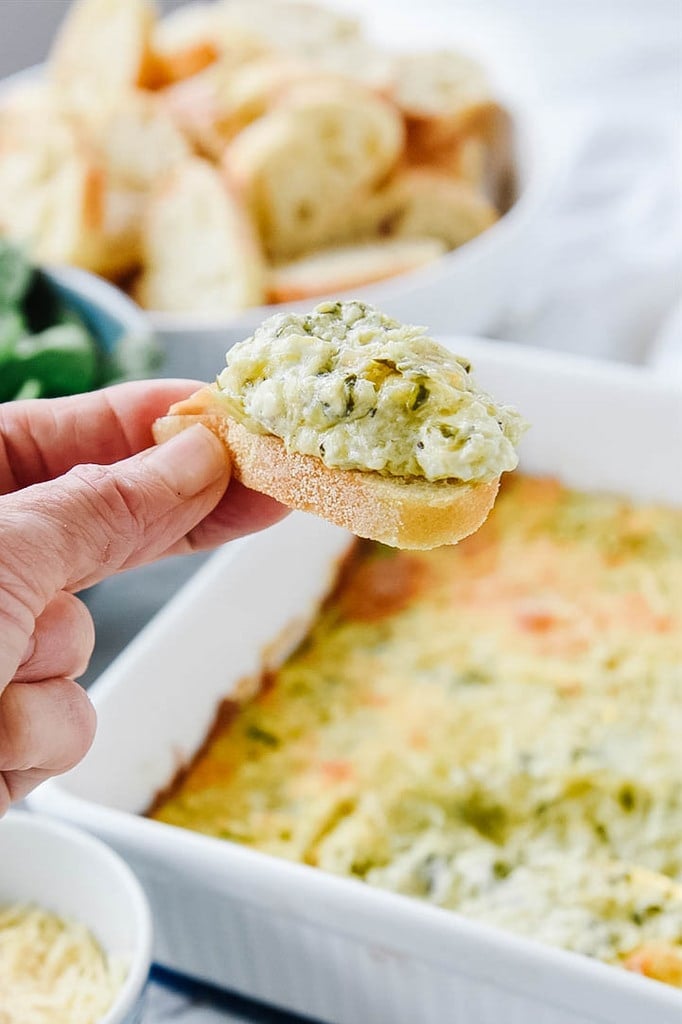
column 74, row 875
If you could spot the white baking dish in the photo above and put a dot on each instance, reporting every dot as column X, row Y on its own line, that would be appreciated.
column 291, row 935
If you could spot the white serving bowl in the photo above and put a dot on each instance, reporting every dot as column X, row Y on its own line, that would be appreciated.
column 467, row 290
column 68, row 872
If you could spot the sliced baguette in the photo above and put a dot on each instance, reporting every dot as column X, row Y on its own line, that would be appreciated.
column 103, row 48
column 464, row 159
column 295, row 27
column 443, row 95
column 214, row 105
column 193, row 37
column 55, row 196
column 345, row 267
column 303, row 166
column 201, row 253
column 427, row 203
column 401, row 512
column 137, row 140
column 186, row 40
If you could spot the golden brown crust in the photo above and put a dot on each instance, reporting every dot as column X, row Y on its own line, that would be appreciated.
column 402, row 512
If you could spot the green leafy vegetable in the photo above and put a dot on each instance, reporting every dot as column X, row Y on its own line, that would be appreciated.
column 47, row 348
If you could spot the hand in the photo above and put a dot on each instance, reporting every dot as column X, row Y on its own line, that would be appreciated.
column 65, row 524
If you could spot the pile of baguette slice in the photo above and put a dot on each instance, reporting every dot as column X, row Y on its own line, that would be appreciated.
column 242, row 152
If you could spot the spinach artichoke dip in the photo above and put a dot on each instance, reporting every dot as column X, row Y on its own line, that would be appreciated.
column 493, row 727
column 359, row 390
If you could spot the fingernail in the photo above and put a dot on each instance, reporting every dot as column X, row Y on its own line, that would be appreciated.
column 190, row 461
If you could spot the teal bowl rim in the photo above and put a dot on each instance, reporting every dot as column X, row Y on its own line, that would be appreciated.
column 108, row 311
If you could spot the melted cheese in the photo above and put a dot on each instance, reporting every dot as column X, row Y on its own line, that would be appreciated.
column 353, row 387
column 493, row 727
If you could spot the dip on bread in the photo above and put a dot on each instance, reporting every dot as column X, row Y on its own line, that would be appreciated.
column 350, row 415
column 360, row 391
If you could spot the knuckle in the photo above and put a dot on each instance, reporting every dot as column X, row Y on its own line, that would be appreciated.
column 81, row 722
column 78, row 625
column 28, row 740
column 15, row 733
column 114, row 512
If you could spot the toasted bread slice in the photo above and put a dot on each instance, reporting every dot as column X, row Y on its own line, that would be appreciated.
column 298, row 28
column 137, row 140
column 212, row 107
column 358, row 61
column 303, row 166
column 201, row 253
column 103, row 48
column 426, row 203
column 444, row 95
column 186, row 40
column 402, row 512
column 464, row 159
column 345, row 267
column 193, row 37
column 53, row 193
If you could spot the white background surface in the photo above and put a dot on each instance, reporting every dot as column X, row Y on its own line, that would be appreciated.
column 602, row 276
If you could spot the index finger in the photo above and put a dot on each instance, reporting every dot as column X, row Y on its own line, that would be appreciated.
column 43, row 439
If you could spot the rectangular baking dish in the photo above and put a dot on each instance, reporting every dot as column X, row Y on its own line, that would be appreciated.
column 332, row 948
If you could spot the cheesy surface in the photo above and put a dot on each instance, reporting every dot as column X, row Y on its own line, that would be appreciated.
column 359, row 390
column 494, row 727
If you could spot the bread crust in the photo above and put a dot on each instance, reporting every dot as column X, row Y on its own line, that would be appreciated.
column 398, row 511
column 341, row 268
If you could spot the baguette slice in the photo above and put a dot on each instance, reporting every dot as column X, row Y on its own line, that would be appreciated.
column 345, row 267
column 406, row 513
column 201, row 253
column 212, row 107
column 296, row 27
column 303, row 166
column 137, row 140
column 427, row 203
column 444, row 95
column 56, row 199
column 103, row 48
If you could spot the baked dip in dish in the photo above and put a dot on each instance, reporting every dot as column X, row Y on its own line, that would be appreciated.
column 291, row 933
column 492, row 727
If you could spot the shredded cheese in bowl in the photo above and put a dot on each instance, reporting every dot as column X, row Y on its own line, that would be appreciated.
column 52, row 970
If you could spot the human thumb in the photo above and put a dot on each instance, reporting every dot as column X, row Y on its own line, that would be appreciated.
column 95, row 520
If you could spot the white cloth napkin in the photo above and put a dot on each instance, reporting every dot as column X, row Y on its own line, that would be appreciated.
column 604, row 273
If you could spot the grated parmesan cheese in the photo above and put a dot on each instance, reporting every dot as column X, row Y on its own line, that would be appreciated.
column 52, row 970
